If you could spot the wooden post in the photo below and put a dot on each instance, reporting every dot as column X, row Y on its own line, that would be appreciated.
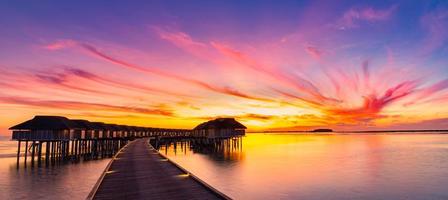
column 79, row 147
column 39, row 154
column 32, row 153
column 108, row 147
column 63, row 150
column 18, row 153
column 76, row 147
column 67, row 149
column 73, row 150
column 83, row 147
column 59, row 150
column 52, row 152
column 47, row 153
column 26, row 150
column 106, row 142
column 56, row 151
column 89, row 142
column 101, row 148
column 105, row 147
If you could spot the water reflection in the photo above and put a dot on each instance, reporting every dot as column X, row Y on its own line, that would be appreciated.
column 227, row 149
column 267, row 166
column 61, row 181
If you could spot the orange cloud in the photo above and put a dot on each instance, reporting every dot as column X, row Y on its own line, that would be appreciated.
column 76, row 105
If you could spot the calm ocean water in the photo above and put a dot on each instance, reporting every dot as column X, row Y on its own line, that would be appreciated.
column 288, row 166
column 66, row 181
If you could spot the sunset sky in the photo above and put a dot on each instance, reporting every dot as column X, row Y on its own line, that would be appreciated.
column 282, row 65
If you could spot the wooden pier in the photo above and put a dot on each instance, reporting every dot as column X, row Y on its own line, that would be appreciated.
column 139, row 172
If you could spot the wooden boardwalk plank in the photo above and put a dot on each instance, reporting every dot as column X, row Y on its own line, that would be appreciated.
column 139, row 172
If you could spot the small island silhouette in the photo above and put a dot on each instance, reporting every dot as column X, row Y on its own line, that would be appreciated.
column 320, row 130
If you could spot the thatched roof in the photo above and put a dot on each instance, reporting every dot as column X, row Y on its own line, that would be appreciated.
column 112, row 127
column 98, row 125
column 221, row 123
column 123, row 128
column 82, row 124
column 45, row 123
column 41, row 122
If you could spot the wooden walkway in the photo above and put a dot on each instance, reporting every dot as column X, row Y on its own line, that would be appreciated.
column 140, row 172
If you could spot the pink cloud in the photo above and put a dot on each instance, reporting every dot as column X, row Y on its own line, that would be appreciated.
column 374, row 104
column 154, row 71
column 295, row 81
column 428, row 92
column 185, row 42
column 204, row 85
column 314, row 52
column 178, row 38
column 61, row 44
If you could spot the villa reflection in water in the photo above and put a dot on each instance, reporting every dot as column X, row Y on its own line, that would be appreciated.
column 223, row 149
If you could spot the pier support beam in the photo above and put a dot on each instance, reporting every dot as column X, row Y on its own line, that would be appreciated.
column 18, row 153
column 32, row 153
column 47, row 153
column 39, row 154
column 26, row 151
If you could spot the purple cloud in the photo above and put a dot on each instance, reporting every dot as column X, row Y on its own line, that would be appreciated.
column 352, row 17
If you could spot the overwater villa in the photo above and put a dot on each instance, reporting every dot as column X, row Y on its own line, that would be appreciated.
column 66, row 138
column 44, row 128
column 220, row 128
column 69, row 138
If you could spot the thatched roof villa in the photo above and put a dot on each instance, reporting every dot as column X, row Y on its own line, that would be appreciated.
column 220, row 128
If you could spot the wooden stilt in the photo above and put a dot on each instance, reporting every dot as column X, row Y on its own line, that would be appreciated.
column 83, row 147
column 26, row 152
column 47, row 153
column 32, row 153
column 63, row 150
column 76, row 147
column 18, row 153
column 58, row 155
column 53, row 152
column 73, row 150
column 67, row 149
column 39, row 154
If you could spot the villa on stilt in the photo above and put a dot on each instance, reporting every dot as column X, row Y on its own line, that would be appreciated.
column 56, row 138
column 220, row 128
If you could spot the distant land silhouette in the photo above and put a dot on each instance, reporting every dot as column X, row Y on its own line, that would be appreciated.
column 322, row 130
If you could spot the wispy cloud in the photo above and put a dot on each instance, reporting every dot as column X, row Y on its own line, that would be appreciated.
column 154, row 71
column 427, row 92
column 314, row 52
column 354, row 16
column 178, row 38
column 297, row 82
column 373, row 104
column 76, row 105
column 61, row 44
column 435, row 23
